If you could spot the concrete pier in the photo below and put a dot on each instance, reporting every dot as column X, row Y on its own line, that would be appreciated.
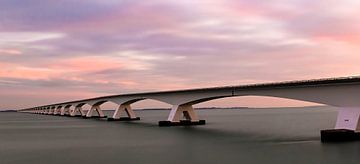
column 123, row 119
column 339, row 135
column 182, row 123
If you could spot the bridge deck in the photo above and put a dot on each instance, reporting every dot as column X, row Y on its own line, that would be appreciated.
column 298, row 83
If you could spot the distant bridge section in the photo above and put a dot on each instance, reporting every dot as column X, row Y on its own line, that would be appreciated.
column 343, row 93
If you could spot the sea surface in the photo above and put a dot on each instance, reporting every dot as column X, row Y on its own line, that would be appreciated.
column 269, row 135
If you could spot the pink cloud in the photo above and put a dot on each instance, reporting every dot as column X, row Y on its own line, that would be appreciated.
column 11, row 70
column 10, row 52
column 86, row 64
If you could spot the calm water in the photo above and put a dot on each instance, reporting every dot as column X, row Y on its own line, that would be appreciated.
column 287, row 135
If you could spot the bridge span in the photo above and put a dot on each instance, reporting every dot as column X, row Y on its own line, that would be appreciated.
column 343, row 93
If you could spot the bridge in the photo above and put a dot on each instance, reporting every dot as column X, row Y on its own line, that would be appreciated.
column 343, row 93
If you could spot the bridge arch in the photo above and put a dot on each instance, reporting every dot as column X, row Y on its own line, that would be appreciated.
column 125, row 106
column 209, row 99
column 254, row 102
column 76, row 108
column 67, row 108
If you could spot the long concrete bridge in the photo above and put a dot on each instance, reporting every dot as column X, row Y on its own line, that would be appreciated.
column 343, row 93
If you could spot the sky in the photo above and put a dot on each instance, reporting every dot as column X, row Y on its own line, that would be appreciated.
column 59, row 50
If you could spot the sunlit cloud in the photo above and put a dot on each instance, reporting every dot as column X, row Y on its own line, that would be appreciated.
column 138, row 56
column 10, row 52
column 9, row 70
column 24, row 37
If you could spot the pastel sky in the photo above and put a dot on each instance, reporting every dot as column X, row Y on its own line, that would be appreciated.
column 59, row 50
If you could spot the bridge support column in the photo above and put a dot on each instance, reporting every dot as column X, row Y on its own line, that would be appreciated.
column 73, row 112
column 54, row 112
column 347, row 126
column 97, row 109
column 57, row 110
column 187, row 111
column 50, row 111
column 62, row 111
column 124, row 108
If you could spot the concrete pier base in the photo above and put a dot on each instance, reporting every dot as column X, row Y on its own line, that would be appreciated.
column 94, row 117
column 73, row 116
column 181, row 123
column 124, row 119
column 339, row 135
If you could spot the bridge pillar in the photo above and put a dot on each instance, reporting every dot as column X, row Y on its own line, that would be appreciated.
column 348, row 118
column 62, row 111
column 74, row 111
column 347, row 126
column 97, row 109
column 51, row 111
column 66, row 111
column 124, row 108
column 57, row 110
column 187, row 111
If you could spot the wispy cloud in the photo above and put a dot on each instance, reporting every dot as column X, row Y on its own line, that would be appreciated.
column 26, row 37
column 10, row 52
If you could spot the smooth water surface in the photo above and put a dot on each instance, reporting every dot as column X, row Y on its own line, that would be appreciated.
column 277, row 135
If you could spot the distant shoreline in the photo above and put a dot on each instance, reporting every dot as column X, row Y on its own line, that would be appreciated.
column 8, row 111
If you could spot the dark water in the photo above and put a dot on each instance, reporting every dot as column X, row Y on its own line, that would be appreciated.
column 288, row 135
